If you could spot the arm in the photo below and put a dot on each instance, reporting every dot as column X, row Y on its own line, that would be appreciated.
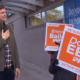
column 17, row 65
column 53, row 67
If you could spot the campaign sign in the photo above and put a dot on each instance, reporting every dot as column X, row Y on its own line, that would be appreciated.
column 69, row 51
column 54, row 32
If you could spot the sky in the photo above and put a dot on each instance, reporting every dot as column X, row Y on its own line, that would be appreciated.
column 61, row 8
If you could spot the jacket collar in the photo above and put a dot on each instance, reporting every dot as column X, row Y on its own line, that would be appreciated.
column 1, row 26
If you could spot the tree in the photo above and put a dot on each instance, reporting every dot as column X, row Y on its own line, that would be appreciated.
column 53, row 14
column 35, row 20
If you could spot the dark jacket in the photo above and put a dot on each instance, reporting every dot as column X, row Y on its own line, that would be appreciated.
column 60, row 73
column 13, row 48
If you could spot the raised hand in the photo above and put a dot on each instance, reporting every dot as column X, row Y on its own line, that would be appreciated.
column 6, row 34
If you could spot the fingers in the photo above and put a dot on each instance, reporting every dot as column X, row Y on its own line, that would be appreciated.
column 17, row 73
column 8, row 32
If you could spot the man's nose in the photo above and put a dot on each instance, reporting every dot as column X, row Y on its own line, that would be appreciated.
column 5, row 14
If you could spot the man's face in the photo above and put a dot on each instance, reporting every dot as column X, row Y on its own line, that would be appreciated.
column 3, row 15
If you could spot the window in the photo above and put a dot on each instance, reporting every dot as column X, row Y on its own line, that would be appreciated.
column 49, row 15
column 55, row 14
column 43, row 17
column 36, row 19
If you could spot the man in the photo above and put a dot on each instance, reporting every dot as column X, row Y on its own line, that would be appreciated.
column 58, row 72
column 9, row 60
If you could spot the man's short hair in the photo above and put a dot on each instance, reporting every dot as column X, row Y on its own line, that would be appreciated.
column 2, row 7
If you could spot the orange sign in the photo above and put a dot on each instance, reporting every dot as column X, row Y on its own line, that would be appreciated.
column 54, row 32
column 69, row 52
column 78, row 77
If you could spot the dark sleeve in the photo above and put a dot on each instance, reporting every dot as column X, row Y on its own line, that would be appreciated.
column 53, row 67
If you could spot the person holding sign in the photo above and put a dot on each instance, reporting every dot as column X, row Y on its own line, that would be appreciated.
column 58, row 72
